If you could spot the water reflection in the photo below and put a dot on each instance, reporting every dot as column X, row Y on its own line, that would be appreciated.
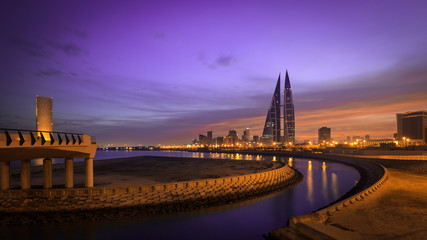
column 325, row 182
column 310, row 183
column 334, row 185
column 290, row 162
column 241, row 222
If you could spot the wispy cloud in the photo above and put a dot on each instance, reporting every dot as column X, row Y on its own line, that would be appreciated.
column 48, row 73
column 225, row 61
column 69, row 48
column 221, row 61
column 31, row 48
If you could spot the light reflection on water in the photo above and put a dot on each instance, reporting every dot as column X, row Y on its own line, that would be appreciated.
column 310, row 183
column 319, row 188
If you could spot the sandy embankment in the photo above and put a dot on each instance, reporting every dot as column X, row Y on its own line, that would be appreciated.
column 397, row 210
column 146, row 170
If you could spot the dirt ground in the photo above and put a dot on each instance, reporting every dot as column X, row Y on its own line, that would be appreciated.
column 146, row 170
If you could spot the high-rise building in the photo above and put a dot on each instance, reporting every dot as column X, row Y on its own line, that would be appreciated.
column 412, row 126
column 220, row 140
column 256, row 138
column 271, row 131
column 289, row 113
column 44, row 113
column 202, row 139
column 209, row 138
column 232, row 137
column 272, row 126
column 324, row 134
column 246, row 135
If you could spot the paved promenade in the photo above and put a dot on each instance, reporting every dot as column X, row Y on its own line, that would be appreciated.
column 395, row 210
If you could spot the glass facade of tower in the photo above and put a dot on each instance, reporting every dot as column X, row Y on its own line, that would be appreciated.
column 271, row 131
column 289, row 113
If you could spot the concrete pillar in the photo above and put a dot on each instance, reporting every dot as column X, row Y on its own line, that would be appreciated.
column 47, row 173
column 25, row 174
column 89, row 172
column 69, row 174
column 5, row 175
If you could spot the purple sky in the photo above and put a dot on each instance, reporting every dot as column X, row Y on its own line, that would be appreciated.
column 150, row 72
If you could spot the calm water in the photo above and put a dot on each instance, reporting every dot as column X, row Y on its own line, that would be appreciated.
column 323, row 183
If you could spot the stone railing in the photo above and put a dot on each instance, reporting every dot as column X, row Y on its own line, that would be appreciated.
column 244, row 186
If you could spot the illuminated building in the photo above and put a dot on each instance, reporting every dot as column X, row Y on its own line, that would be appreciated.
column 324, row 134
column 202, row 139
column 246, row 135
column 289, row 117
column 412, row 128
column 256, row 138
column 272, row 126
column 220, row 140
column 209, row 138
column 271, row 131
column 232, row 137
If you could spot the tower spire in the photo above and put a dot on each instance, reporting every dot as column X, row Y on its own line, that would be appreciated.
column 289, row 113
column 287, row 82
column 272, row 128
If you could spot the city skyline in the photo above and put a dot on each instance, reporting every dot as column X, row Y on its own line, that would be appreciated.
column 162, row 72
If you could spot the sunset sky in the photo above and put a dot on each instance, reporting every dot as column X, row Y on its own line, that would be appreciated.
column 151, row 72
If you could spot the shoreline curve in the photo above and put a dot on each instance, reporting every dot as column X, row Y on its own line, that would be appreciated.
column 29, row 207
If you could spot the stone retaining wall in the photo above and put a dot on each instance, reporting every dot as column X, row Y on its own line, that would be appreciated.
column 373, row 176
column 323, row 214
column 33, row 200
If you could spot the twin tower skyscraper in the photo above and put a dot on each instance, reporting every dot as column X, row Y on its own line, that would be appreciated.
column 272, row 127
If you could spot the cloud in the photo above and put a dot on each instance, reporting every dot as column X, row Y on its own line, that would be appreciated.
column 69, row 49
column 225, row 61
column 48, row 73
column 77, row 33
column 30, row 48
column 221, row 61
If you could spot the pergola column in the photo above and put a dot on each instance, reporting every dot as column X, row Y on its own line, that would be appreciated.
column 69, row 174
column 5, row 175
column 89, row 172
column 25, row 174
column 47, row 173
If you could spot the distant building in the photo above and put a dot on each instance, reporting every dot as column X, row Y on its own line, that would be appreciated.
column 289, row 113
column 220, row 140
column 355, row 138
column 232, row 133
column 202, row 139
column 272, row 127
column 246, row 135
column 271, row 132
column 348, row 139
column 383, row 143
column 324, row 134
column 209, row 138
column 256, row 138
column 367, row 137
column 232, row 137
column 412, row 126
